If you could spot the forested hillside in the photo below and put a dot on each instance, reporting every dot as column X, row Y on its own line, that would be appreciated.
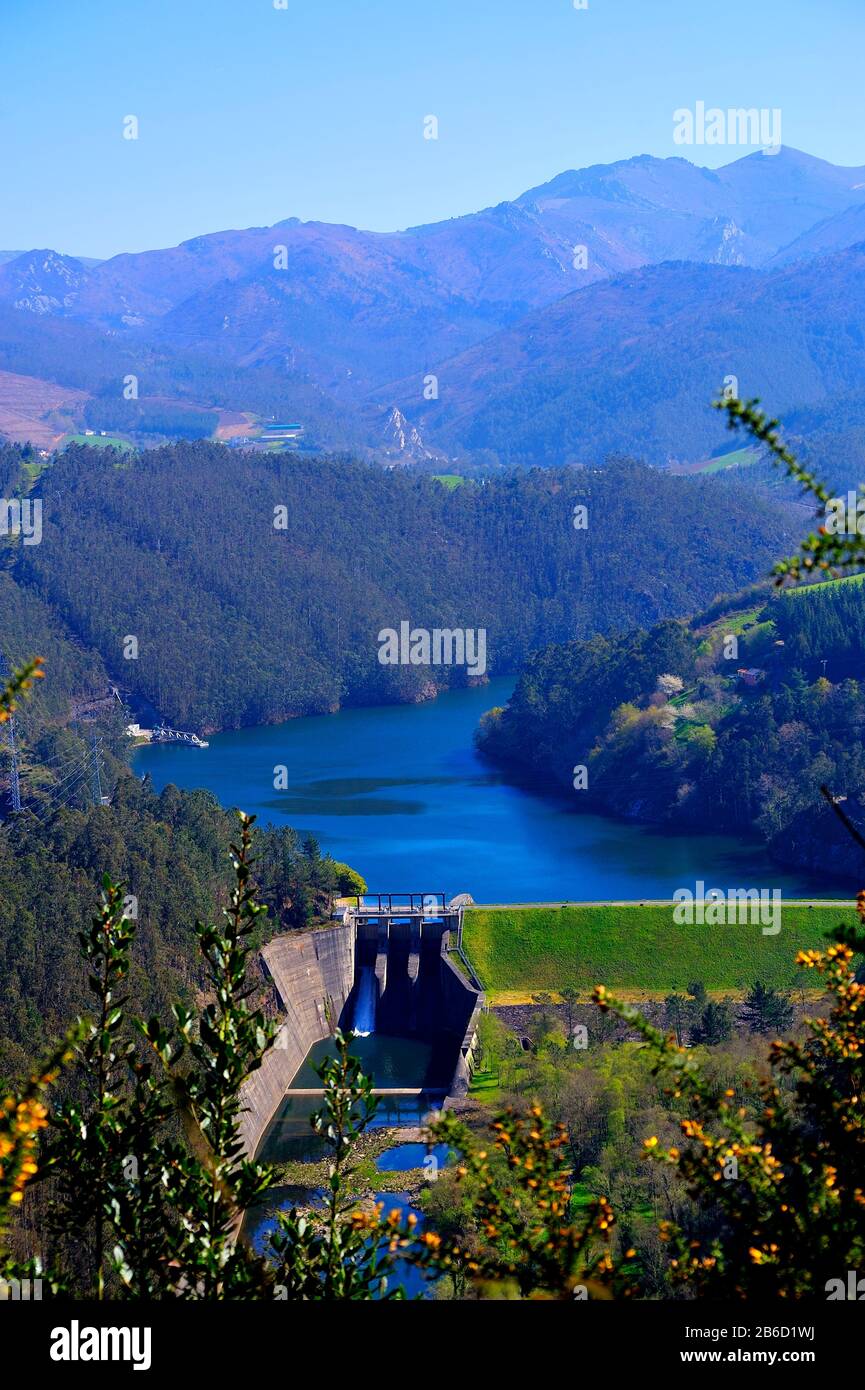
column 641, row 356
column 170, row 852
column 239, row 620
column 681, row 725
column 54, row 744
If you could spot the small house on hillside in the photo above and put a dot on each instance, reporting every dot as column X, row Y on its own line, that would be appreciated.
column 751, row 675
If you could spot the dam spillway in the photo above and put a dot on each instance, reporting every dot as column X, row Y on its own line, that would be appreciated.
column 401, row 953
column 387, row 963
column 365, row 1004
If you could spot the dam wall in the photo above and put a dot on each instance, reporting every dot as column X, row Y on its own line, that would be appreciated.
column 419, row 992
column 463, row 1005
column 313, row 976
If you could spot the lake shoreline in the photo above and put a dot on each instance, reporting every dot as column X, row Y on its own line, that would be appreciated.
column 402, row 794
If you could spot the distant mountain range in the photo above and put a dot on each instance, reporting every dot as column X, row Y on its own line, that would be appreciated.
column 598, row 312
column 633, row 363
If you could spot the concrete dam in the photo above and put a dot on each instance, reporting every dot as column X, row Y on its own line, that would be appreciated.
column 389, row 968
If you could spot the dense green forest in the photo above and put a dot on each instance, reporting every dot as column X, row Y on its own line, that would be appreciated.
column 29, row 626
column 149, row 416
column 168, row 849
column 170, row 852
column 241, row 621
column 56, row 728
column 831, row 440
column 671, row 731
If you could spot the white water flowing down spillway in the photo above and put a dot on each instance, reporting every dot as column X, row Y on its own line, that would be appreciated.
column 364, row 1009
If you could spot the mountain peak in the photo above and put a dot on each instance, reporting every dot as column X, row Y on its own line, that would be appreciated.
column 787, row 165
column 403, row 439
column 598, row 179
column 786, row 154
column 42, row 281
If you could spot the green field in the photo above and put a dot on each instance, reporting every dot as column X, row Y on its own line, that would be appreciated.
column 738, row 458
column 33, row 471
column 100, row 441
column 449, row 480
column 636, row 949
column 799, row 589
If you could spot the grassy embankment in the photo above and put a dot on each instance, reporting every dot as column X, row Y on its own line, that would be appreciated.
column 636, row 949
column 807, row 589
column 100, row 441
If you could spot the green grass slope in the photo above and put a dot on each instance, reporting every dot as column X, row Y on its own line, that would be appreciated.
column 636, row 948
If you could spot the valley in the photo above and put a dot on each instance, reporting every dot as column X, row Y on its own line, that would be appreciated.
column 257, row 584
column 432, row 710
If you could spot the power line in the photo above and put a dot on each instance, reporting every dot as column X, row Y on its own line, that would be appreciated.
column 56, row 792
column 56, row 771
column 83, row 766
column 62, row 798
column 97, row 780
column 82, row 763
column 14, row 781
column 69, row 769
column 69, row 778
column 60, row 760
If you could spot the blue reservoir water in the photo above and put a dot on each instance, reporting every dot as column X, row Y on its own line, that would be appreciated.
column 400, row 793
column 261, row 1222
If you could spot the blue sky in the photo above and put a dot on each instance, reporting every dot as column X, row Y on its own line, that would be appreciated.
column 249, row 114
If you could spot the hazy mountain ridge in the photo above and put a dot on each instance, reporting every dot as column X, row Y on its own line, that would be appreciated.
column 341, row 326
column 634, row 362
column 846, row 228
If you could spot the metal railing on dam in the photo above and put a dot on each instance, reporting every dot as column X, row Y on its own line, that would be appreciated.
column 399, row 905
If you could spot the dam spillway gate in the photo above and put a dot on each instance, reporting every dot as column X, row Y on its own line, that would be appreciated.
column 405, row 978
column 394, row 955
column 400, row 940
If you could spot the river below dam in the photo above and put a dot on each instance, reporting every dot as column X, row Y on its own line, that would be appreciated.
column 400, row 793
